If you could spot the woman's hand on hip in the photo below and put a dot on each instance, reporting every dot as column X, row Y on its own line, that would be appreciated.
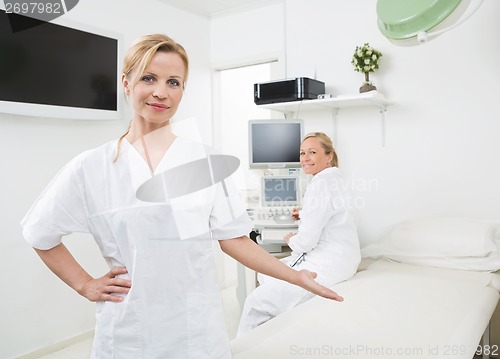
column 107, row 288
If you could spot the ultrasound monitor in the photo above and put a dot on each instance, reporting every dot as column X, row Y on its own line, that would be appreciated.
column 274, row 143
column 280, row 191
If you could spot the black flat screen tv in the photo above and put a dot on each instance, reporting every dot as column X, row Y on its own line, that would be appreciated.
column 58, row 69
column 274, row 143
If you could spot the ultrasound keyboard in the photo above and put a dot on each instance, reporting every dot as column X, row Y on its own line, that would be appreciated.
column 273, row 217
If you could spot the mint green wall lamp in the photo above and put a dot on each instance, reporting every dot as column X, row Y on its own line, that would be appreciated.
column 412, row 22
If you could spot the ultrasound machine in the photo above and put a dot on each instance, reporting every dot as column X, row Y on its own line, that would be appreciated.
column 274, row 147
column 273, row 218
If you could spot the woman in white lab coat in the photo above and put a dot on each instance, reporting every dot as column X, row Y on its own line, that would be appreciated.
column 160, row 298
column 326, row 242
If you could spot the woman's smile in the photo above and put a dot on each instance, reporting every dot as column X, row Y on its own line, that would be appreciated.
column 158, row 106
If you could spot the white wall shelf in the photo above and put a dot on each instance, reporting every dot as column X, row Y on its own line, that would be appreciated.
column 372, row 98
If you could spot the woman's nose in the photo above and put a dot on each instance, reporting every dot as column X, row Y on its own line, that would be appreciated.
column 160, row 93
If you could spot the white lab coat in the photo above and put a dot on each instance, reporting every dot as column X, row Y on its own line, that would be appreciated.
column 327, row 236
column 174, row 308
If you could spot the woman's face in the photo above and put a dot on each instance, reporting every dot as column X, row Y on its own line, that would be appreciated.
column 313, row 157
column 156, row 96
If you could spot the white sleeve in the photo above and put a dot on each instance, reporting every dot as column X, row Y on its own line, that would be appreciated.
column 59, row 210
column 317, row 209
column 229, row 218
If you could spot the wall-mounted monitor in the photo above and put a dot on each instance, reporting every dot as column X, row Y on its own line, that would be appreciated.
column 275, row 143
column 58, row 69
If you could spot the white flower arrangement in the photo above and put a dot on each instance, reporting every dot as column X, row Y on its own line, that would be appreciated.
column 366, row 58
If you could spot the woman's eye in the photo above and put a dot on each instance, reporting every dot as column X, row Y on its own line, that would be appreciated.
column 173, row 83
column 148, row 78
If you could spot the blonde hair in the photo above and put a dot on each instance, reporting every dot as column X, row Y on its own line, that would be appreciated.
column 140, row 54
column 326, row 143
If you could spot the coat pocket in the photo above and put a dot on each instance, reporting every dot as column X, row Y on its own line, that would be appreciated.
column 127, row 331
column 207, row 336
column 118, row 332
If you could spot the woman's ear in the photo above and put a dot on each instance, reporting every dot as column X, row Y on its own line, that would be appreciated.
column 125, row 84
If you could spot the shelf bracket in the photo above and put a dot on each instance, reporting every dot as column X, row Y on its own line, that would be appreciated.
column 335, row 113
column 383, row 110
column 288, row 114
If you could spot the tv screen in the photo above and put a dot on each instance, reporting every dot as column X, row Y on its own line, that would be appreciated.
column 51, row 70
column 275, row 143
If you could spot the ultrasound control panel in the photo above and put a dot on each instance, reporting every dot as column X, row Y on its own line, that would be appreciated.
column 272, row 217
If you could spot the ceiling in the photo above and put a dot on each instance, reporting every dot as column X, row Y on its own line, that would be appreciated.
column 210, row 8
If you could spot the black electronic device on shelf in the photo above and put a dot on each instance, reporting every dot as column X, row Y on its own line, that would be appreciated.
column 297, row 89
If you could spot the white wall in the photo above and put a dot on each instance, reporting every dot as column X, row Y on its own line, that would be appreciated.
column 257, row 33
column 440, row 156
column 36, row 308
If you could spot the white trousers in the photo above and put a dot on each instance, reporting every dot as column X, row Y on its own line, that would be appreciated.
column 273, row 296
